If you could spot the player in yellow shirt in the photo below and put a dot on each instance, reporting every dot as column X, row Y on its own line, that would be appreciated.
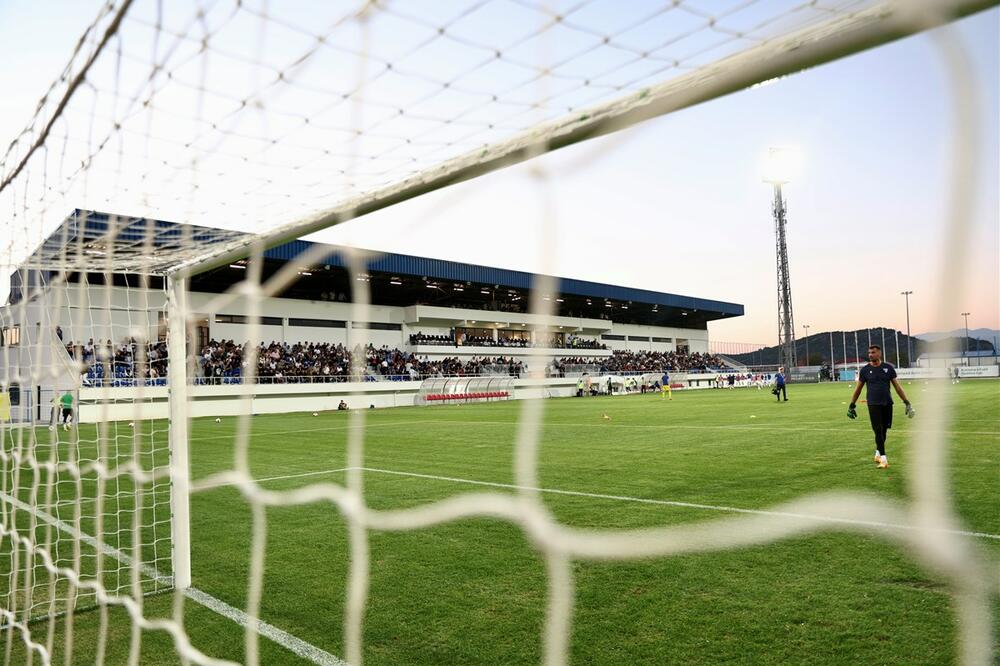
column 665, row 391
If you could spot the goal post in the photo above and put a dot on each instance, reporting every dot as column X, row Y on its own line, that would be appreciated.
column 207, row 149
column 180, row 464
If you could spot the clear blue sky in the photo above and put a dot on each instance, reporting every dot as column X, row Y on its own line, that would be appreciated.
column 677, row 204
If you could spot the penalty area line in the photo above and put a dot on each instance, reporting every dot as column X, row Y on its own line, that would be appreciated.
column 686, row 505
column 620, row 498
column 286, row 640
column 197, row 486
column 283, row 638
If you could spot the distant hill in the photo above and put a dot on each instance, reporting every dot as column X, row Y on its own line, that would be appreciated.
column 820, row 346
column 988, row 334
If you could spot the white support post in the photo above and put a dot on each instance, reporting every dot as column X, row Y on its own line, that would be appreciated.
column 180, row 466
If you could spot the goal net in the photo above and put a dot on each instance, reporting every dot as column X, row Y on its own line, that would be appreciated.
column 185, row 136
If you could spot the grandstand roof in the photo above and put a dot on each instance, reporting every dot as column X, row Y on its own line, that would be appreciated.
column 100, row 242
column 154, row 246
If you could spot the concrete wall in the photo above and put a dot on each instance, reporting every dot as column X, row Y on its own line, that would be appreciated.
column 93, row 311
column 128, row 404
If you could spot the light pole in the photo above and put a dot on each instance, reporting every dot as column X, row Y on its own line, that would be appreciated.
column 966, row 345
column 778, row 172
column 833, row 361
column 806, row 326
column 909, row 350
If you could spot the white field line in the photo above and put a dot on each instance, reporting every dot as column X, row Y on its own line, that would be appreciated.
column 736, row 426
column 623, row 498
column 231, row 435
column 283, row 638
column 686, row 505
column 198, row 487
column 344, row 428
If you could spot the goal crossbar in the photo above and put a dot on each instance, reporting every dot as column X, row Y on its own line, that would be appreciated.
column 807, row 48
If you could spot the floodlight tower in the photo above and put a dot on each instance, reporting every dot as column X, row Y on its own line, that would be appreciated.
column 777, row 174
column 965, row 343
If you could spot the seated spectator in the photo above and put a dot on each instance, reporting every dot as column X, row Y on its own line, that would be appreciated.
column 630, row 362
column 226, row 362
column 422, row 339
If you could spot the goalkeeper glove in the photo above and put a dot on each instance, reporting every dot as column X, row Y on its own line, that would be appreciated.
column 910, row 412
column 852, row 413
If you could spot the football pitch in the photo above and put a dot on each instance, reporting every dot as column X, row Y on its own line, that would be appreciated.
column 474, row 591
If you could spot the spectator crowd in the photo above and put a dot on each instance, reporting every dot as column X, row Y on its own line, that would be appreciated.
column 424, row 339
column 126, row 360
column 279, row 362
column 224, row 361
column 623, row 362
column 517, row 339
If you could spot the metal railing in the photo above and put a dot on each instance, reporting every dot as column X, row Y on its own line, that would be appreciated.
column 119, row 382
column 502, row 344
column 576, row 370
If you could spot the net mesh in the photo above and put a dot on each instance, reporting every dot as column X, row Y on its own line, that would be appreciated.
column 260, row 117
column 84, row 477
column 256, row 122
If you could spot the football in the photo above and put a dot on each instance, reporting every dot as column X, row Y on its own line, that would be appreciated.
column 218, row 420
column 315, row 413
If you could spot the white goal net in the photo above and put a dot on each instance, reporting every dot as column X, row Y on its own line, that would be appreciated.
column 183, row 136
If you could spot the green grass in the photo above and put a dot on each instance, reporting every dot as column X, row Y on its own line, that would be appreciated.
column 474, row 591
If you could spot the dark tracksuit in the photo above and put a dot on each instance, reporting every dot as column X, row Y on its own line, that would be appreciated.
column 779, row 387
column 878, row 379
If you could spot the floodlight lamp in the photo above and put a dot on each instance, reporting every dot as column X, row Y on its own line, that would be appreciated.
column 781, row 165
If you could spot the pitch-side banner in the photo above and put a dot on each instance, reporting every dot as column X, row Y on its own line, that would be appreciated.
column 941, row 373
column 979, row 371
column 922, row 373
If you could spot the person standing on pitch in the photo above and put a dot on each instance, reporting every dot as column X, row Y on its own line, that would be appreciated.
column 665, row 387
column 67, row 409
column 779, row 385
column 878, row 375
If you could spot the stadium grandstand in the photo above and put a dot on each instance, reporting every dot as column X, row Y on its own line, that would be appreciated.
column 428, row 317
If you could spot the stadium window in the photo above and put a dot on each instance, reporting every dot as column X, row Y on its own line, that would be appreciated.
column 638, row 338
column 11, row 336
column 243, row 319
column 667, row 340
column 317, row 323
column 609, row 336
column 377, row 326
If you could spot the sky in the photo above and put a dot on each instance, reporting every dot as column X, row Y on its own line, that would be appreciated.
column 677, row 204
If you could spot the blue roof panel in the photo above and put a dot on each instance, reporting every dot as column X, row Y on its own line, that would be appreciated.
column 401, row 264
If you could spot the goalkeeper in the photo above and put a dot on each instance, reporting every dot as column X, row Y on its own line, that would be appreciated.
column 878, row 375
column 67, row 409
